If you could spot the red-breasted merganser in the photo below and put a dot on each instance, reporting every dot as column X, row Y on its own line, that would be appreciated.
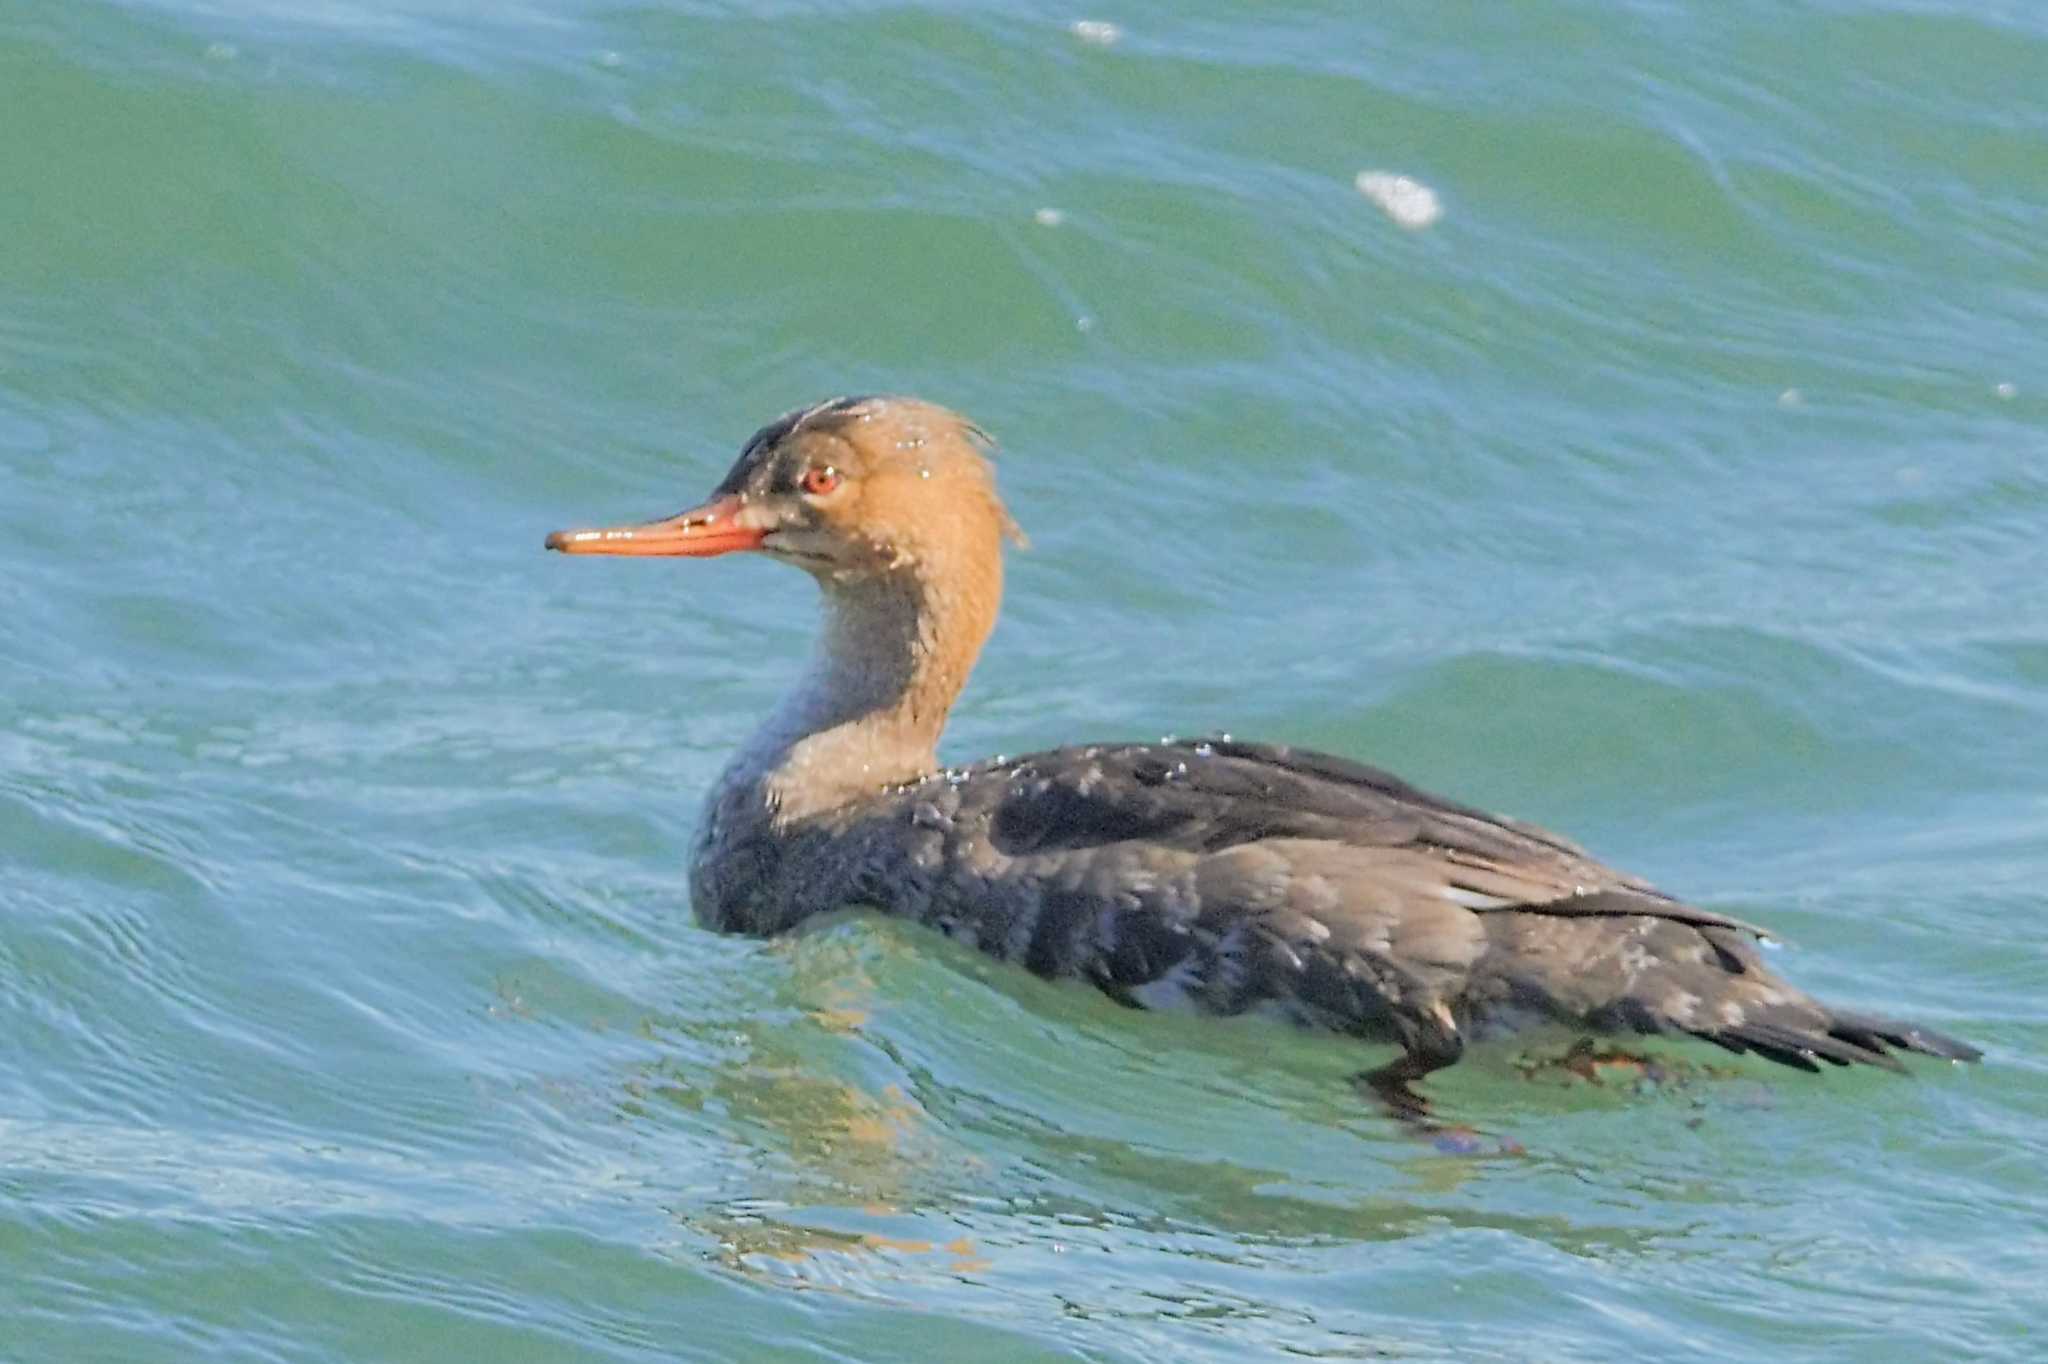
column 1216, row 875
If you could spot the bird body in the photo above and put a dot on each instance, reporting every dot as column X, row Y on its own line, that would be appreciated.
column 1213, row 875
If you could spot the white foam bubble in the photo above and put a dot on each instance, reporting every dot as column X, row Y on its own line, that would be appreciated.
column 1409, row 202
column 1048, row 217
column 1100, row 32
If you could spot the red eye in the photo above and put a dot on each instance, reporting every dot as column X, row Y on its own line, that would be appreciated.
column 820, row 479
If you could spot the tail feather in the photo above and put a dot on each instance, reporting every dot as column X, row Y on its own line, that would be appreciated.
column 1660, row 975
column 1873, row 1032
column 1800, row 1047
column 1844, row 1039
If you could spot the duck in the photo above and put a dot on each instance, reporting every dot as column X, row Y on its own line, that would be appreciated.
column 1214, row 875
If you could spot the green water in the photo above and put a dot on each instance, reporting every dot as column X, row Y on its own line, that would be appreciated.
column 1683, row 487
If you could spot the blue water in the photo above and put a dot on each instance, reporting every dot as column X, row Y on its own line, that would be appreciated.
column 1682, row 486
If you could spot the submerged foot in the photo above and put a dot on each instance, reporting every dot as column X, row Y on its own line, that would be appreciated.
column 1601, row 1062
column 1392, row 1086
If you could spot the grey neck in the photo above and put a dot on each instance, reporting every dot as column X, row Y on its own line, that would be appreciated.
column 862, row 718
